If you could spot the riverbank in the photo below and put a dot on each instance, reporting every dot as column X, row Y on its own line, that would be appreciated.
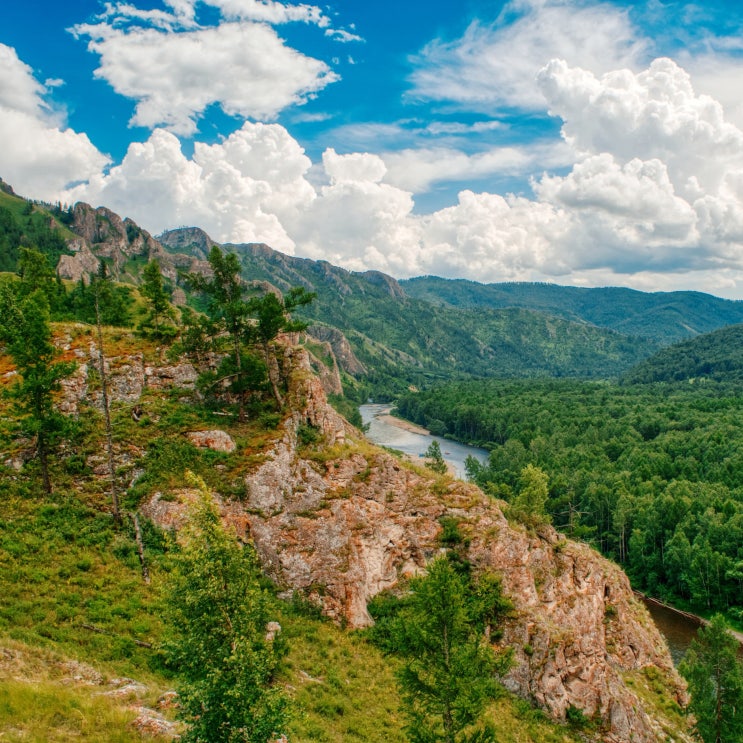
column 683, row 625
column 392, row 420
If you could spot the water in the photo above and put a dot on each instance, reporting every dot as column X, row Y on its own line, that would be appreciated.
column 677, row 629
column 384, row 433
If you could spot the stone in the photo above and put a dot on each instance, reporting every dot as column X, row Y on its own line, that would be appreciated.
column 215, row 440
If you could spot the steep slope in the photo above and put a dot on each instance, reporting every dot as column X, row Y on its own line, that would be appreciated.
column 717, row 355
column 665, row 317
column 339, row 521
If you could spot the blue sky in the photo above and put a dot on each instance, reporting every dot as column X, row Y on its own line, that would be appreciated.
column 583, row 143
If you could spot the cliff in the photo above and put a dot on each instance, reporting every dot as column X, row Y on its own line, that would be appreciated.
column 340, row 521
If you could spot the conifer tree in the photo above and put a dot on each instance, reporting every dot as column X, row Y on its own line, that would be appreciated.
column 26, row 331
column 160, row 311
column 715, row 676
column 451, row 670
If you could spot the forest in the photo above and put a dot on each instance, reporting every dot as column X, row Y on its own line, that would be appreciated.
column 651, row 475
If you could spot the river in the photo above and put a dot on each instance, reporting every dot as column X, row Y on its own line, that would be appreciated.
column 393, row 433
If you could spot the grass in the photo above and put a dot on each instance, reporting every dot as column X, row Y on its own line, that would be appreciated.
column 47, row 697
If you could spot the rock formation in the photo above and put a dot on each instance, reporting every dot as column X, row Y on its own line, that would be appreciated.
column 343, row 521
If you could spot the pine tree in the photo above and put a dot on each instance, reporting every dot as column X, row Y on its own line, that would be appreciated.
column 715, row 676
column 26, row 331
column 160, row 311
column 451, row 670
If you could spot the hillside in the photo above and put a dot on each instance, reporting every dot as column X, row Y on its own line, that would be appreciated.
column 663, row 317
column 402, row 340
column 334, row 520
column 713, row 356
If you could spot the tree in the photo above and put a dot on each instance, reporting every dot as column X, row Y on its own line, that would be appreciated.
column 273, row 315
column 715, row 677
column 434, row 458
column 529, row 504
column 160, row 310
column 25, row 329
column 217, row 615
column 228, row 308
column 451, row 670
column 253, row 322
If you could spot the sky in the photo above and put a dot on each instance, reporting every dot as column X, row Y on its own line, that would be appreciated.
column 568, row 141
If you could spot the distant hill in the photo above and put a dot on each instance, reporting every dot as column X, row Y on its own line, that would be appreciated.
column 717, row 355
column 403, row 340
column 664, row 317
column 389, row 334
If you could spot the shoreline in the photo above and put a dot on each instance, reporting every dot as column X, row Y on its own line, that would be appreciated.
column 387, row 417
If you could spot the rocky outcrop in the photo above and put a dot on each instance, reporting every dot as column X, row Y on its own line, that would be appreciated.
column 104, row 234
column 343, row 521
column 385, row 282
column 191, row 241
column 215, row 440
column 341, row 348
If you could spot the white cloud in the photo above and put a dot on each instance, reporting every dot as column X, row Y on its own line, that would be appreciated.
column 244, row 67
column 495, row 66
column 40, row 157
column 676, row 208
column 418, row 169
column 239, row 190
column 652, row 114
column 355, row 167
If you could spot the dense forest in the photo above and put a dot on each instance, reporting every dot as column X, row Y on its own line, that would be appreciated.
column 652, row 475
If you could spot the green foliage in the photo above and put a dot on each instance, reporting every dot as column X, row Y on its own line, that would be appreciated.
column 402, row 340
column 248, row 323
column 666, row 317
column 450, row 670
column 25, row 329
column 434, row 458
column 713, row 356
column 529, row 504
column 158, row 321
column 218, row 613
column 651, row 475
column 22, row 225
column 715, row 676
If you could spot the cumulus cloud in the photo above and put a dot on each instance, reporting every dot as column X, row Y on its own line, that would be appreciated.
column 632, row 209
column 40, row 156
column 495, row 66
column 662, row 166
column 240, row 190
column 174, row 77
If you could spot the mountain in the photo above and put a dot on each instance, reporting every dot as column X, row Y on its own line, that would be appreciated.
column 717, row 355
column 388, row 335
column 403, row 340
column 663, row 317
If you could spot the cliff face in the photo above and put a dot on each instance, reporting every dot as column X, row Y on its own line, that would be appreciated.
column 103, row 234
column 343, row 521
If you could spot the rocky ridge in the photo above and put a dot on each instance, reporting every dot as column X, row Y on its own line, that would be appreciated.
column 343, row 520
